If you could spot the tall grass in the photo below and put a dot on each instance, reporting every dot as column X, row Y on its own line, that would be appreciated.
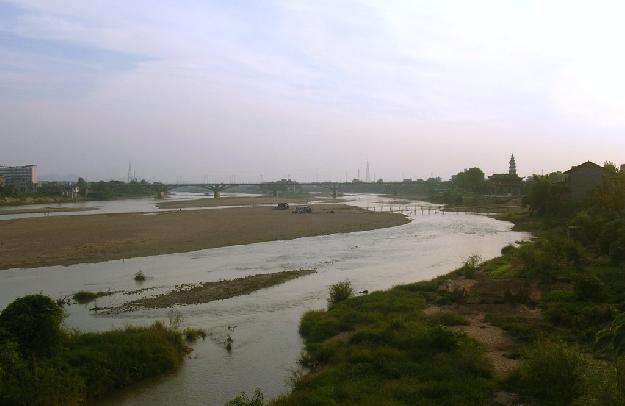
column 75, row 367
column 381, row 349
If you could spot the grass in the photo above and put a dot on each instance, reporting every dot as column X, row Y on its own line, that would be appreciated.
column 559, row 302
column 112, row 360
column 191, row 335
column 381, row 349
column 449, row 319
column 89, row 366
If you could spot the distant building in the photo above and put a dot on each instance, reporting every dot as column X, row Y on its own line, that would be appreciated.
column 583, row 179
column 507, row 183
column 21, row 178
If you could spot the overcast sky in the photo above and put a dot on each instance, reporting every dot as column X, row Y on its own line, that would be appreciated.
column 312, row 89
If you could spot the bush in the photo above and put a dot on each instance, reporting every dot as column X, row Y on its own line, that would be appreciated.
column 115, row 359
column 83, row 297
column 340, row 291
column 471, row 265
column 192, row 334
column 139, row 276
column 44, row 382
column 449, row 319
column 590, row 288
column 244, row 400
column 552, row 373
column 612, row 338
column 508, row 249
column 34, row 323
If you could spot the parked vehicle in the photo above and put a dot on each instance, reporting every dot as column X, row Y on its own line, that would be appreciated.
column 282, row 206
column 302, row 209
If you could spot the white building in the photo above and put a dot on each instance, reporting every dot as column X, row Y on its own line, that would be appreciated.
column 22, row 178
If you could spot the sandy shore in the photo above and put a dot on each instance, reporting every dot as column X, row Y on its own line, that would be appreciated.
column 46, row 210
column 64, row 240
column 237, row 201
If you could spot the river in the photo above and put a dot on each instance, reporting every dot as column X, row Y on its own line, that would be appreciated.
column 264, row 324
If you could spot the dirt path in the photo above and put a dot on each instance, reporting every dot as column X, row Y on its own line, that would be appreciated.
column 496, row 341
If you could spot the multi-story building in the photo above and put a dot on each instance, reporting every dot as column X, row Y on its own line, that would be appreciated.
column 22, row 178
column 583, row 179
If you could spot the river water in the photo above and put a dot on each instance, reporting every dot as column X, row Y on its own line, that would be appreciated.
column 138, row 205
column 264, row 324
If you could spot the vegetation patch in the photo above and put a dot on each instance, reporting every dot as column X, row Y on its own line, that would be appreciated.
column 84, row 296
column 42, row 364
column 393, row 354
column 209, row 291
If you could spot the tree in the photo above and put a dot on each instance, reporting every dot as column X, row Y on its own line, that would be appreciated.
column 34, row 323
column 82, row 186
column 470, row 180
column 544, row 197
column 609, row 198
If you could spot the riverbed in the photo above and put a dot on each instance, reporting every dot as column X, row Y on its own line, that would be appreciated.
column 264, row 324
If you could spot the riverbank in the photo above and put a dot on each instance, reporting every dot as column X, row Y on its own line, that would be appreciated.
column 36, row 242
column 541, row 324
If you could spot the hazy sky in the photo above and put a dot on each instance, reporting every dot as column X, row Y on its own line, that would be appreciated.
column 189, row 89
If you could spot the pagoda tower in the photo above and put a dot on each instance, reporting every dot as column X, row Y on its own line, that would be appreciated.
column 512, row 170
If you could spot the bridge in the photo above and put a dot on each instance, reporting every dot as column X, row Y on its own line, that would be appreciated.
column 281, row 186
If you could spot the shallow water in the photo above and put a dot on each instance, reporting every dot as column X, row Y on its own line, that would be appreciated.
column 139, row 205
column 266, row 341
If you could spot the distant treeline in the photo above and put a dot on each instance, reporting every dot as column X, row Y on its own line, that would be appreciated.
column 115, row 189
column 83, row 190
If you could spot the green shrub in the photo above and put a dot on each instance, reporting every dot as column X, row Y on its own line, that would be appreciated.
column 552, row 373
column 590, row 288
column 612, row 338
column 449, row 319
column 34, row 323
column 561, row 296
column 46, row 381
column 471, row 266
column 244, row 400
column 192, row 334
column 340, row 291
column 42, row 365
column 508, row 249
column 115, row 359
column 83, row 297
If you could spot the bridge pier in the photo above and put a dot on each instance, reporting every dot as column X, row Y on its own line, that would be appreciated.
column 333, row 187
column 217, row 189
